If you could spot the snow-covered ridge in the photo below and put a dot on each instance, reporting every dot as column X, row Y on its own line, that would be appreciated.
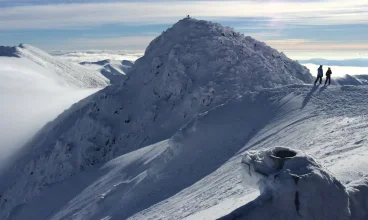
column 115, row 70
column 191, row 68
column 63, row 73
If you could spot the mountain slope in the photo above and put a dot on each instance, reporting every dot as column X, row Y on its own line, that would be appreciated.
column 191, row 68
column 196, row 173
column 63, row 73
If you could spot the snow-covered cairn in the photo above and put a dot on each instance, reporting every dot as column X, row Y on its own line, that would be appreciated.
column 294, row 186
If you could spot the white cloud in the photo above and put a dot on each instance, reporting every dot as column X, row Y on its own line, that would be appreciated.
column 98, row 55
column 309, row 45
column 29, row 100
column 138, row 42
column 82, row 15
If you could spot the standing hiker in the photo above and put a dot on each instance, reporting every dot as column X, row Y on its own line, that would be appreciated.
column 328, row 76
column 319, row 75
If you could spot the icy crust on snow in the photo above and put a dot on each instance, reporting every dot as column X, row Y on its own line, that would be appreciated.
column 294, row 186
column 64, row 73
column 191, row 68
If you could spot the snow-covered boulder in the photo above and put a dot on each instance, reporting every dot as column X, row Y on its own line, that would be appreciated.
column 294, row 186
column 189, row 69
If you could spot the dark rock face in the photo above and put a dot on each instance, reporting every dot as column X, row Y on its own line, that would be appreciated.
column 8, row 51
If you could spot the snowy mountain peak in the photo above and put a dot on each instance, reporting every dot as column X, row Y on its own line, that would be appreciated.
column 188, row 70
column 202, row 50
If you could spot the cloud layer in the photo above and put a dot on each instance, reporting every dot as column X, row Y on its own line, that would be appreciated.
column 327, row 26
column 84, row 15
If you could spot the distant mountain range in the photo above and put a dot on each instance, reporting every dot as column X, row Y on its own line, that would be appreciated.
column 361, row 62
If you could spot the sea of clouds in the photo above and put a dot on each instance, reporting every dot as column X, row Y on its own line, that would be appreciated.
column 97, row 55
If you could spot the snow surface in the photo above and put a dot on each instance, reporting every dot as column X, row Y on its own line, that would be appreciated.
column 167, row 143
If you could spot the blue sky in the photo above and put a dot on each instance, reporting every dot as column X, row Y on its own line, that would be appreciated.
column 303, row 29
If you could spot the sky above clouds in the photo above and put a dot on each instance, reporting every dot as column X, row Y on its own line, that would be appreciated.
column 304, row 29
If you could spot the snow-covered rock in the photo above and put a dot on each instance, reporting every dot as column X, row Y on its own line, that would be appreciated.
column 293, row 186
column 8, row 51
column 61, row 72
column 191, row 68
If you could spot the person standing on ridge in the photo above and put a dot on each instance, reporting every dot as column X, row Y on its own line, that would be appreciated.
column 328, row 76
column 319, row 75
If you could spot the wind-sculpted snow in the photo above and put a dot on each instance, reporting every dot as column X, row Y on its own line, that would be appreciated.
column 294, row 186
column 191, row 68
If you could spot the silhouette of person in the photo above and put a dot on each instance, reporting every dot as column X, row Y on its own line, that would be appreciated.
column 319, row 75
column 328, row 76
